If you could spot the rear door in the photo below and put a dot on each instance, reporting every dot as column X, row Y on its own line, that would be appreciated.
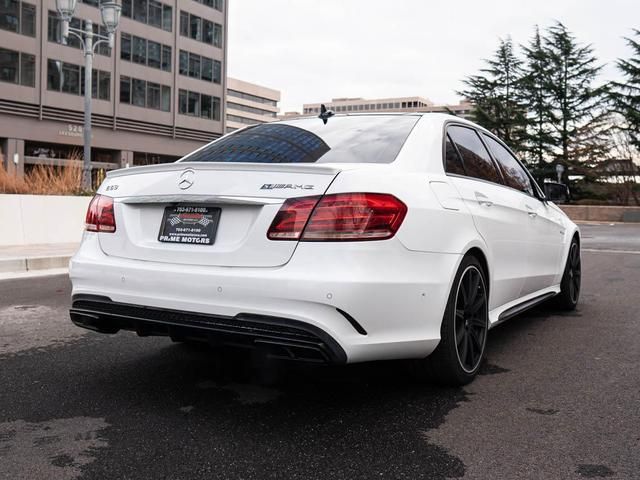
column 545, row 228
column 499, row 213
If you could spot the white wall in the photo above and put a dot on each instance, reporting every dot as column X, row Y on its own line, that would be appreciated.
column 34, row 219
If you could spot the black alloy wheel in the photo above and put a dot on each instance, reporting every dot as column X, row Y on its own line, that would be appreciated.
column 570, row 285
column 463, row 332
column 471, row 322
column 575, row 272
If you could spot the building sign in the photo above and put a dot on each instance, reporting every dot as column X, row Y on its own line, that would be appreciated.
column 72, row 131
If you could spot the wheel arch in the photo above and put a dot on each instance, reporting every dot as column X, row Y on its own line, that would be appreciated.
column 477, row 252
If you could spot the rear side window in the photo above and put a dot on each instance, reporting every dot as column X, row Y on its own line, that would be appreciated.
column 452, row 161
column 343, row 139
column 514, row 174
column 476, row 159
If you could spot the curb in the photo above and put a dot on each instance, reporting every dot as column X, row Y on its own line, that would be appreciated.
column 28, row 264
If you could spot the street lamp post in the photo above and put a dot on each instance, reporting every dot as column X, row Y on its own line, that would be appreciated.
column 110, row 12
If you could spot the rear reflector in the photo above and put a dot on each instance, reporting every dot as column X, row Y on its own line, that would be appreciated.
column 339, row 217
column 100, row 215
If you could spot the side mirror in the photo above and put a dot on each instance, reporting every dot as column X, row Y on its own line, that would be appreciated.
column 557, row 192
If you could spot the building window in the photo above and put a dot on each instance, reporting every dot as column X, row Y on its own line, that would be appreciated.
column 145, row 94
column 184, row 24
column 27, row 70
column 69, row 78
column 195, row 25
column 200, row 29
column 17, row 67
column 166, row 58
column 155, row 14
column 139, row 50
column 198, row 105
column 153, row 95
column 217, row 4
column 151, row 12
column 28, row 19
column 18, row 17
column 104, row 85
column 145, row 52
column 245, row 120
column 125, row 89
column 202, row 68
column 245, row 108
column 253, row 98
column 54, row 33
column 194, row 65
column 125, row 46
column 139, row 89
column 154, row 54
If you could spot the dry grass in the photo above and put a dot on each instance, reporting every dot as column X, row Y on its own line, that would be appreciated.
column 43, row 180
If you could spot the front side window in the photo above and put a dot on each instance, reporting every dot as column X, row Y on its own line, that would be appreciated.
column 475, row 158
column 514, row 174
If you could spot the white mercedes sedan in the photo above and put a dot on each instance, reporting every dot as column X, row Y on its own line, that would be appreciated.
column 339, row 239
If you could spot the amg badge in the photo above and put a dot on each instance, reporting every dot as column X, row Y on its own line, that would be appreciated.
column 290, row 186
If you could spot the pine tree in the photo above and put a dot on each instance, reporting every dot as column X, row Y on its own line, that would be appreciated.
column 538, row 143
column 494, row 94
column 626, row 95
column 576, row 113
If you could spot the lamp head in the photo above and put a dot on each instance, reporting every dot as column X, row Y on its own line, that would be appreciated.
column 66, row 8
column 110, row 12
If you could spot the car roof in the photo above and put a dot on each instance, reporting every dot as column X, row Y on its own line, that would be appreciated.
column 431, row 117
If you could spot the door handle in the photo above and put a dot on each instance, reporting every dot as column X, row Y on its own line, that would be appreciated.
column 483, row 199
column 532, row 213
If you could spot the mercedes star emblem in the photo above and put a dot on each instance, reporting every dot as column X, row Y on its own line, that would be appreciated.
column 186, row 179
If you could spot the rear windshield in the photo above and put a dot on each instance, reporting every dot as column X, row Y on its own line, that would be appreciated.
column 344, row 139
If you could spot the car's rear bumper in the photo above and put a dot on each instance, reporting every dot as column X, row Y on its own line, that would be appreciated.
column 277, row 337
column 375, row 300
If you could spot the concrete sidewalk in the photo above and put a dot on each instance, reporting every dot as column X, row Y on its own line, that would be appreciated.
column 30, row 258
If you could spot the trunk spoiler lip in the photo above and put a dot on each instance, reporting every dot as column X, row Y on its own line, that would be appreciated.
column 314, row 168
column 198, row 199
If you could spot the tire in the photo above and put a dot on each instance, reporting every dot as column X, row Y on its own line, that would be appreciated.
column 463, row 333
column 569, row 294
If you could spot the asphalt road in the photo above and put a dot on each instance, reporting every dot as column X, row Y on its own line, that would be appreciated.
column 559, row 398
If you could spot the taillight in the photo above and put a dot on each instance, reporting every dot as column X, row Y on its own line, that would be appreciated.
column 339, row 217
column 291, row 219
column 100, row 216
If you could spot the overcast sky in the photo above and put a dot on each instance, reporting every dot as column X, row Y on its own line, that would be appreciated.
column 316, row 50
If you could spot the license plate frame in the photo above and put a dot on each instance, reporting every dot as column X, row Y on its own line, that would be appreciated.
column 189, row 225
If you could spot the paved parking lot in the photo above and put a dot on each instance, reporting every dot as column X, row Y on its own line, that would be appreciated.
column 559, row 398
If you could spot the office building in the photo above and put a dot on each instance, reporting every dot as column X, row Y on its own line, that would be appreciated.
column 249, row 104
column 398, row 104
column 158, row 94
